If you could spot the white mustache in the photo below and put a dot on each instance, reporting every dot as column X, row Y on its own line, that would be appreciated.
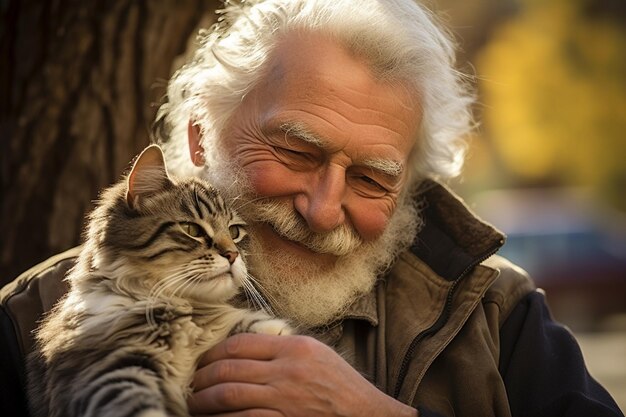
column 340, row 241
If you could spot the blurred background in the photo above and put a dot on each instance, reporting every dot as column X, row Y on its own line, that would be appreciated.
column 80, row 82
column 548, row 163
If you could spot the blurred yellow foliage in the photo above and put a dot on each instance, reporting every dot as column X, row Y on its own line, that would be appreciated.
column 553, row 85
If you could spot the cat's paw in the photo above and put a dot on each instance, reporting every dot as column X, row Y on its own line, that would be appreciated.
column 152, row 413
column 276, row 327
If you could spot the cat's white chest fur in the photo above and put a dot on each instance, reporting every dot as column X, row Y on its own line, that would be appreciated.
column 181, row 345
column 186, row 335
column 172, row 332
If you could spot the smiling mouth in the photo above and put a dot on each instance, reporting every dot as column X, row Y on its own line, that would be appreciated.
column 286, row 239
column 298, row 246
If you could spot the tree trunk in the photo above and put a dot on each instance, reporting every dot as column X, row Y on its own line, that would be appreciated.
column 80, row 82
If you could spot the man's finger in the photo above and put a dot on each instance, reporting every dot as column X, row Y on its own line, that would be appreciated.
column 261, row 347
column 229, row 370
column 230, row 397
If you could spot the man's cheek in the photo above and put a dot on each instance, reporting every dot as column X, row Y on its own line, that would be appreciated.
column 266, row 180
column 370, row 224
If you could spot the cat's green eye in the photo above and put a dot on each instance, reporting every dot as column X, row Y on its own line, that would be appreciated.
column 235, row 231
column 191, row 229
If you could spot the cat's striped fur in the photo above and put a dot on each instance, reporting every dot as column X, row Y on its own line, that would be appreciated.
column 147, row 297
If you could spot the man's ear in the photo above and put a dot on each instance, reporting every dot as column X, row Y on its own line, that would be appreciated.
column 148, row 175
column 196, row 151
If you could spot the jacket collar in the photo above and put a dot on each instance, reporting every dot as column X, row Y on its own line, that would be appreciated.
column 453, row 239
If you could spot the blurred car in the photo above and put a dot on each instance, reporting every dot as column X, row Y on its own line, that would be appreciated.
column 572, row 246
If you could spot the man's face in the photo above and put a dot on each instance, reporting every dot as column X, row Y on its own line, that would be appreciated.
column 323, row 136
column 323, row 148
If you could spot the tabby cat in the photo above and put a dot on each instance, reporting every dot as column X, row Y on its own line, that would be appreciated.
column 147, row 297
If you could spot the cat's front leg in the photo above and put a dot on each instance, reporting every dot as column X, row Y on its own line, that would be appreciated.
column 277, row 327
column 259, row 322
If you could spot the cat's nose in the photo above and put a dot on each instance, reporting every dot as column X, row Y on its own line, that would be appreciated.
column 230, row 255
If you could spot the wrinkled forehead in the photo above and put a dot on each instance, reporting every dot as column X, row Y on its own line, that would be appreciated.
column 304, row 58
column 311, row 74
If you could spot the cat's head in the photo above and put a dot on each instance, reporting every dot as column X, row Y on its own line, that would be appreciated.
column 160, row 237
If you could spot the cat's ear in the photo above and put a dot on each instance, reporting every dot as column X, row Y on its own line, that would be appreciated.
column 148, row 175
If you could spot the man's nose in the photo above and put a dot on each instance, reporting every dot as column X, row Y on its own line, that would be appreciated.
column 321, row 205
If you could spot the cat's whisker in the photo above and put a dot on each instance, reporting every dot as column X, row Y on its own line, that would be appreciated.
column 253, row 296
column 195, row 279
column 185, row 279
column 259, row 303
column 264, row 296
column 247, row 202
column 191, row 275
column 256, row 297
column 269, row 299
column 234, row 184
column 165, row 284
column 183, row 285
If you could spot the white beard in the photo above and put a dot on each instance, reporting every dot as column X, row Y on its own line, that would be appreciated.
column 313, row 296
column 302, row 291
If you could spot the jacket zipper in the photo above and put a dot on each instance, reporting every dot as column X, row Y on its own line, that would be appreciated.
column 442, row 319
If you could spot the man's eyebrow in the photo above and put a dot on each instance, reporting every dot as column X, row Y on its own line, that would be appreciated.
column 300, row 131
column 386, row 166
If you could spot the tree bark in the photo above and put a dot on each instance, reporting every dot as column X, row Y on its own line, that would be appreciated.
column 80, row 83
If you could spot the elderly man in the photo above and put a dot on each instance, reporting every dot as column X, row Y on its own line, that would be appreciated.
column 326, row 121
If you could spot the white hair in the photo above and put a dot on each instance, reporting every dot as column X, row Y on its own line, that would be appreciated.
column 399, row 39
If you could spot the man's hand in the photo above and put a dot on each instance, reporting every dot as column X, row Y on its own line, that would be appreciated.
column 262, row 375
